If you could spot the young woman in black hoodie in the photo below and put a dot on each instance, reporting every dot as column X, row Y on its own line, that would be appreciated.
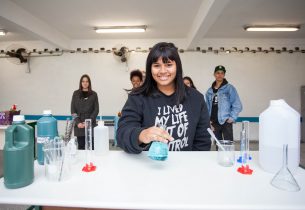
column 164, row 99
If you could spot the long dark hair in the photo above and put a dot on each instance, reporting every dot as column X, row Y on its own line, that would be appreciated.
column 89, row 80
column 166, row 51
column 190, row 80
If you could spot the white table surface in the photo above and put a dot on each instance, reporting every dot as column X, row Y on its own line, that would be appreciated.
column 187, row 180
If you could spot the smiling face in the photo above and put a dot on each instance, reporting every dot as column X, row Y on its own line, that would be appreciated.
column 136, row 81
column 164, row 74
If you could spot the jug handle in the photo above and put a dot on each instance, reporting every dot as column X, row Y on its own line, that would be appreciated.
column 10, row 136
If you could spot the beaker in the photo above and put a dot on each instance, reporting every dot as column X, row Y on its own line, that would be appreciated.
column 57, row 163
column 226, row 157
column 71, row 149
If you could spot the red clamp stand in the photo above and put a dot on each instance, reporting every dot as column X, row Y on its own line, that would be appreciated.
column 245, row 170
column 89, row 167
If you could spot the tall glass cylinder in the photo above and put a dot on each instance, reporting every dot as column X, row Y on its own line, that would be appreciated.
column 244, row 150
column 88, row 134
column 88, row 147
column 244, row 142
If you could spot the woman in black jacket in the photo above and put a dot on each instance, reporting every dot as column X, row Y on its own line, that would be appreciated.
column 85, row 104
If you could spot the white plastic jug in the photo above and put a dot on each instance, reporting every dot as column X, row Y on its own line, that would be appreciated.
column 101, row 139
column 279, row 124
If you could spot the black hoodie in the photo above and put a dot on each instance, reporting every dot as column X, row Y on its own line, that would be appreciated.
column 187, row 122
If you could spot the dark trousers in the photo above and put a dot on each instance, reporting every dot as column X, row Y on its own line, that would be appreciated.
column 223, row 132
column 82, row 142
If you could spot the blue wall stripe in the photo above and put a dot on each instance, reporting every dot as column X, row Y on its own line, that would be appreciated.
column 250, row 119
column 64, row 117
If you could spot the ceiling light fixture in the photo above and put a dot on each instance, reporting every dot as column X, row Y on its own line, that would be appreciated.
column 120, row 29
column 2, row 32
column 272, row 28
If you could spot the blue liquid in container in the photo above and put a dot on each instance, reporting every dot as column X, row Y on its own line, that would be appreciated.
column 158, row 151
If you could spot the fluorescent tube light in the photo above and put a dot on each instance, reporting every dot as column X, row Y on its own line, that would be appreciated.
column 2, row 32
column 120, row 29
column 272, row 28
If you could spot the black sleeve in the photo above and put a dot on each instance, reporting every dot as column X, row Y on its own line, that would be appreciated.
column 95, row 109
column 74, row 108
column 202, row 139
column 129, row 127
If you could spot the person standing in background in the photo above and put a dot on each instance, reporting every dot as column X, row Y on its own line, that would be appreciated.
column 85, row 104
column 136, row 79
column 189, row 82
column 223, row 105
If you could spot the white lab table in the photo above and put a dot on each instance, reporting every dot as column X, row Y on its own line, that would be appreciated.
column 187, row 180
